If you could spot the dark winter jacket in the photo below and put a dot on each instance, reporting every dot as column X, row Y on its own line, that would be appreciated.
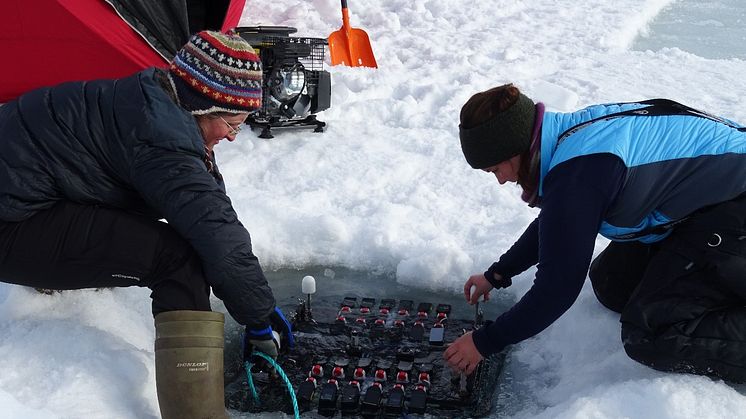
column 624, row 177
column 126, row 144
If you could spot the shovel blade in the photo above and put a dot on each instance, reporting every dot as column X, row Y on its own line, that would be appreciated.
column 351, row 48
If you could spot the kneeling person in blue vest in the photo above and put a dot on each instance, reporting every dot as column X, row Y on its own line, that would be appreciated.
column 664, row 182
column 89, row 168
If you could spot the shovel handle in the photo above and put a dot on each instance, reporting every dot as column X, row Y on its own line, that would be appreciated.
column 345, row 18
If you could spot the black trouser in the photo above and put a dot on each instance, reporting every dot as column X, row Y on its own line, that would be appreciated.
column 683, row 301
column 72, row 246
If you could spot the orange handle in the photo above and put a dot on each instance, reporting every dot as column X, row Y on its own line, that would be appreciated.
column 345, row 17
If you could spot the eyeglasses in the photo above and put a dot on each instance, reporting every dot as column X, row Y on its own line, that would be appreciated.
column 234, row 130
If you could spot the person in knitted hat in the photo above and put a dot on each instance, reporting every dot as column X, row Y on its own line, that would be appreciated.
column 89, row 168
column 664, row 182
column 217, row 72
column 498, row 128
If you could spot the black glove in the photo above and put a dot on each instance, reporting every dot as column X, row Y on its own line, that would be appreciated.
column 270, row 339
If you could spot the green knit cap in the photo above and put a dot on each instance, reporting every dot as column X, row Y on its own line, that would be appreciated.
column 506, row 135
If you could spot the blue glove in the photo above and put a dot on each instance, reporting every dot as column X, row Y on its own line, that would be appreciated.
column 269, row 339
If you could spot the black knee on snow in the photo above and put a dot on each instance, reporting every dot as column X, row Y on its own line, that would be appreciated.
column 673, row 350
column 616, row 272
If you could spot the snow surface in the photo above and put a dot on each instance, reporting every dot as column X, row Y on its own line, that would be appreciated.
column 386, row 188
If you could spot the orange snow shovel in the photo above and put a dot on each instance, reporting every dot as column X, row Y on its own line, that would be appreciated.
column 350, row 46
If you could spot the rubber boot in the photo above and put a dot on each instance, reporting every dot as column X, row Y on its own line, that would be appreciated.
column 189, row 364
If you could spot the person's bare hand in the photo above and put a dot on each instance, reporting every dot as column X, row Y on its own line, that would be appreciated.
column 462, row 355
column 482, row 288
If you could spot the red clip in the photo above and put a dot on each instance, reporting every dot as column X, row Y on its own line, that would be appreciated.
column 380, row 375
column 403, row 312
column 333, row 381
column 311, row 379
column 402, row 377
column 364, row 310
column 438, row 324
column 380, row 322
column 360, row 320
column 338, row 372
column 345, row 309
column 355, row 384
column 421, row 387
column 399, row 323
column 442, row 316
column 384, row 311
column 399, row 387
column 419, row 323
column 316, row 371
column 422, row 314
column 359, row 373
column 341, row 319
column 424, row 377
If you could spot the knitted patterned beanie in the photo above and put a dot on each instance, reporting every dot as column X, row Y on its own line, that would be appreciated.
column 217, row 72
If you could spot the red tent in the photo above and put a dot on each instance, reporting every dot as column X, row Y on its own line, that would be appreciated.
column 46, row 42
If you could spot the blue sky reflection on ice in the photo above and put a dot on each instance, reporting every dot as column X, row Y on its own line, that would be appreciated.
column 712, row 29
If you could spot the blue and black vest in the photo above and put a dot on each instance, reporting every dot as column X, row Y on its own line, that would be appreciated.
column 678, row 160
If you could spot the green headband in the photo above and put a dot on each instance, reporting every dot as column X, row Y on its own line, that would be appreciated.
column 507, row 134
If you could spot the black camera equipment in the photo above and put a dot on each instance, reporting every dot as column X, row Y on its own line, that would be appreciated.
column 295, row 84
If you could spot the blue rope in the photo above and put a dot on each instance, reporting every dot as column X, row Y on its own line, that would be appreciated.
column 254, row 393
column 279, row 370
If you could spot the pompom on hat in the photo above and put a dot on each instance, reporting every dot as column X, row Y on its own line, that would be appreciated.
column 217, row 72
